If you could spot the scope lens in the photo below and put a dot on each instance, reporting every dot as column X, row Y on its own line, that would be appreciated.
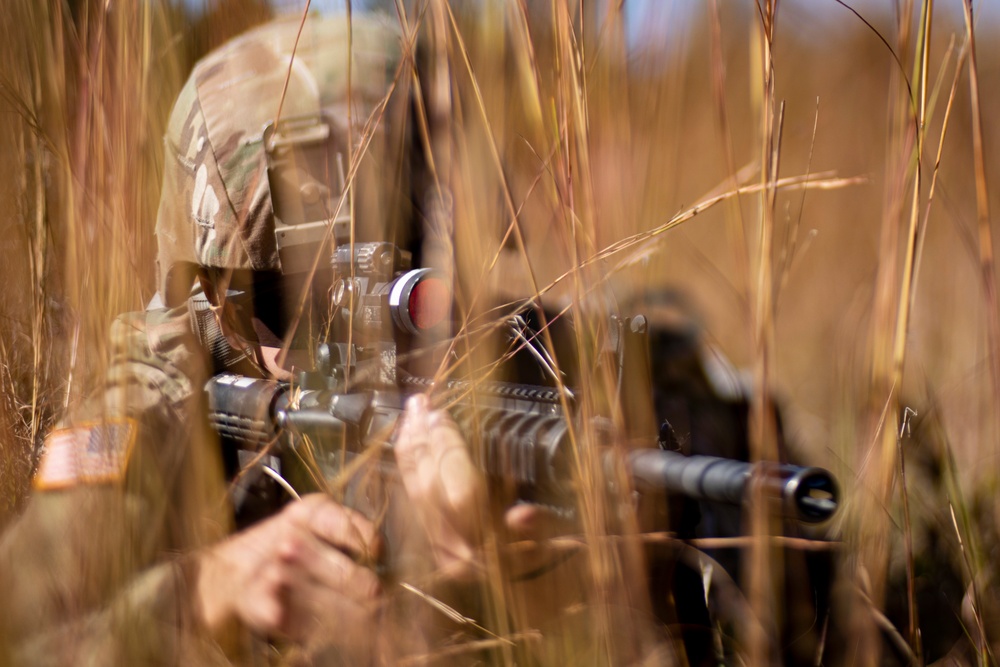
column 429, row 302
column 420, row 300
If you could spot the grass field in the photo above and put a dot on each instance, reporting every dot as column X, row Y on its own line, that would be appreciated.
column 821, row 189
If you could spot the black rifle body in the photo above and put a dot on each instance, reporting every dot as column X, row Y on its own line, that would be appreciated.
column 520, row 433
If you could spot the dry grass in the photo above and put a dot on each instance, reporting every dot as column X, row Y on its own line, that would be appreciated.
column 578, row 170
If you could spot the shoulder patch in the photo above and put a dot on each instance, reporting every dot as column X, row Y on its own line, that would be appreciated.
column 91, row 453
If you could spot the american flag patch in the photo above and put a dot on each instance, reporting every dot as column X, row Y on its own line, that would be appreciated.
column 91, row 453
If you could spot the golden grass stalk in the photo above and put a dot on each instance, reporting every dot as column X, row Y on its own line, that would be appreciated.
column 987, row 266
column 736, row 223
column 903, row 314
column 890, row 333
column 763, row 581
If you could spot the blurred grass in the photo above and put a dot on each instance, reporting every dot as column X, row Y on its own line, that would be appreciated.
column 597, row 142
column 86, row 88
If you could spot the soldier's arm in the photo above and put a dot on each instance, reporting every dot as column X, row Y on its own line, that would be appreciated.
column 122, row 554
column 94, row 569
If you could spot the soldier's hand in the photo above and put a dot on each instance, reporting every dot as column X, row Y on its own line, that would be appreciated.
column 445, row 489
column 300, row 575
column 448, row 492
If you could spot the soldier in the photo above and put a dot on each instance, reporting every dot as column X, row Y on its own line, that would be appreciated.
column 123, row 554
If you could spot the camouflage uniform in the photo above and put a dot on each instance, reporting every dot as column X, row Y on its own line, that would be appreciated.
column 86, row 568
column 95, row 571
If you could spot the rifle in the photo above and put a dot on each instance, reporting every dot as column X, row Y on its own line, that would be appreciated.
column 523, row 433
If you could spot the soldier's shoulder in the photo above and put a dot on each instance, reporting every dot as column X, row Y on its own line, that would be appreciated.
column 155, row 373
column 156, row 360
column 157, row 335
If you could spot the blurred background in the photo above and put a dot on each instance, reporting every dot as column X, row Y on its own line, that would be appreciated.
column 611, row 118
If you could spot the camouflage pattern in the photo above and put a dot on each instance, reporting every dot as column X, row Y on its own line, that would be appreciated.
column 215, row 207
column 90, row 572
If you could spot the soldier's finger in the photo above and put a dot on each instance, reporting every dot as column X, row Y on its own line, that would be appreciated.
column 341, row 527
column 333, row 574
column 329, row 597
column 536, row 522
column 412, row 435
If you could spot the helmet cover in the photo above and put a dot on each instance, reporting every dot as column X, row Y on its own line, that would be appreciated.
column 216, row 210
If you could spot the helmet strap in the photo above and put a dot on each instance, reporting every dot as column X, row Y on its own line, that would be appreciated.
column 221, row 331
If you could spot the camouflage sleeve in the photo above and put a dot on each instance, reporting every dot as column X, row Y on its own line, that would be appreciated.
column 94, row 570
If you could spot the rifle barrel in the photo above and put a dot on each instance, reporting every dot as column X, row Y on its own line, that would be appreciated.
column 806, row 493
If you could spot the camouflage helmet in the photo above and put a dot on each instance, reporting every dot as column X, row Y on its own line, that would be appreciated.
column 217, row 207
